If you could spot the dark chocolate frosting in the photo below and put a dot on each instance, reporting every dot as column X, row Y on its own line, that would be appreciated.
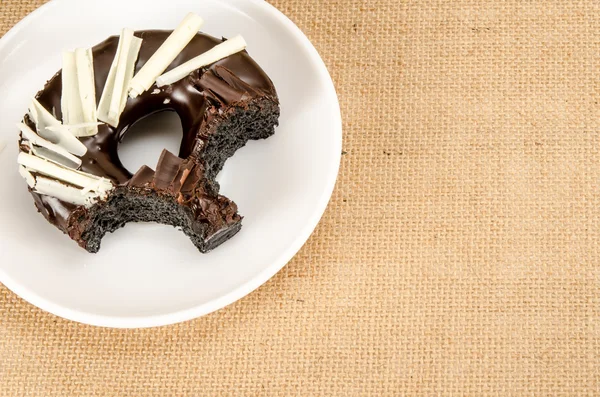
column 196, row 99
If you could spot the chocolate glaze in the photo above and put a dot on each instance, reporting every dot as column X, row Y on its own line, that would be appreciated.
column 196, row 99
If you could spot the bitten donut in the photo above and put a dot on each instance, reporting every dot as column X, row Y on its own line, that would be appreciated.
column 68, row 142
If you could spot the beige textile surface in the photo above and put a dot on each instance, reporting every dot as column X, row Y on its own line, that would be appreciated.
column 459, row 254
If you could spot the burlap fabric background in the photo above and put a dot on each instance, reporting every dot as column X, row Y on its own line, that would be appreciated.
column 459, row 254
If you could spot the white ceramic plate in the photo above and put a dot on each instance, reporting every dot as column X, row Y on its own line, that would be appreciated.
column 146, row 274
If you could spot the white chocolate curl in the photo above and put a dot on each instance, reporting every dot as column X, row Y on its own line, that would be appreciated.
column 34, row 139
column 165, row 55
column 114, row 96
column 57, row 171
column 87, row 89
column 218, row 52
column 63, row 138
column 28, row 176
column 69, row 101
column 78, row 102
column 63, row 192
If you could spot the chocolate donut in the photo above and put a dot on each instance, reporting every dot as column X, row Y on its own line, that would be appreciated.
column 221, row 107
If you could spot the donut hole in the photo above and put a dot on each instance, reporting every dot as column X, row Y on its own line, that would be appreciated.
column 145, row 140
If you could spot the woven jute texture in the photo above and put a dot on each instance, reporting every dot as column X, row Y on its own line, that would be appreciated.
column 459, row 254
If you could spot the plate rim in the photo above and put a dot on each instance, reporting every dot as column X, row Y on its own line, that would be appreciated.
column 255, row 282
